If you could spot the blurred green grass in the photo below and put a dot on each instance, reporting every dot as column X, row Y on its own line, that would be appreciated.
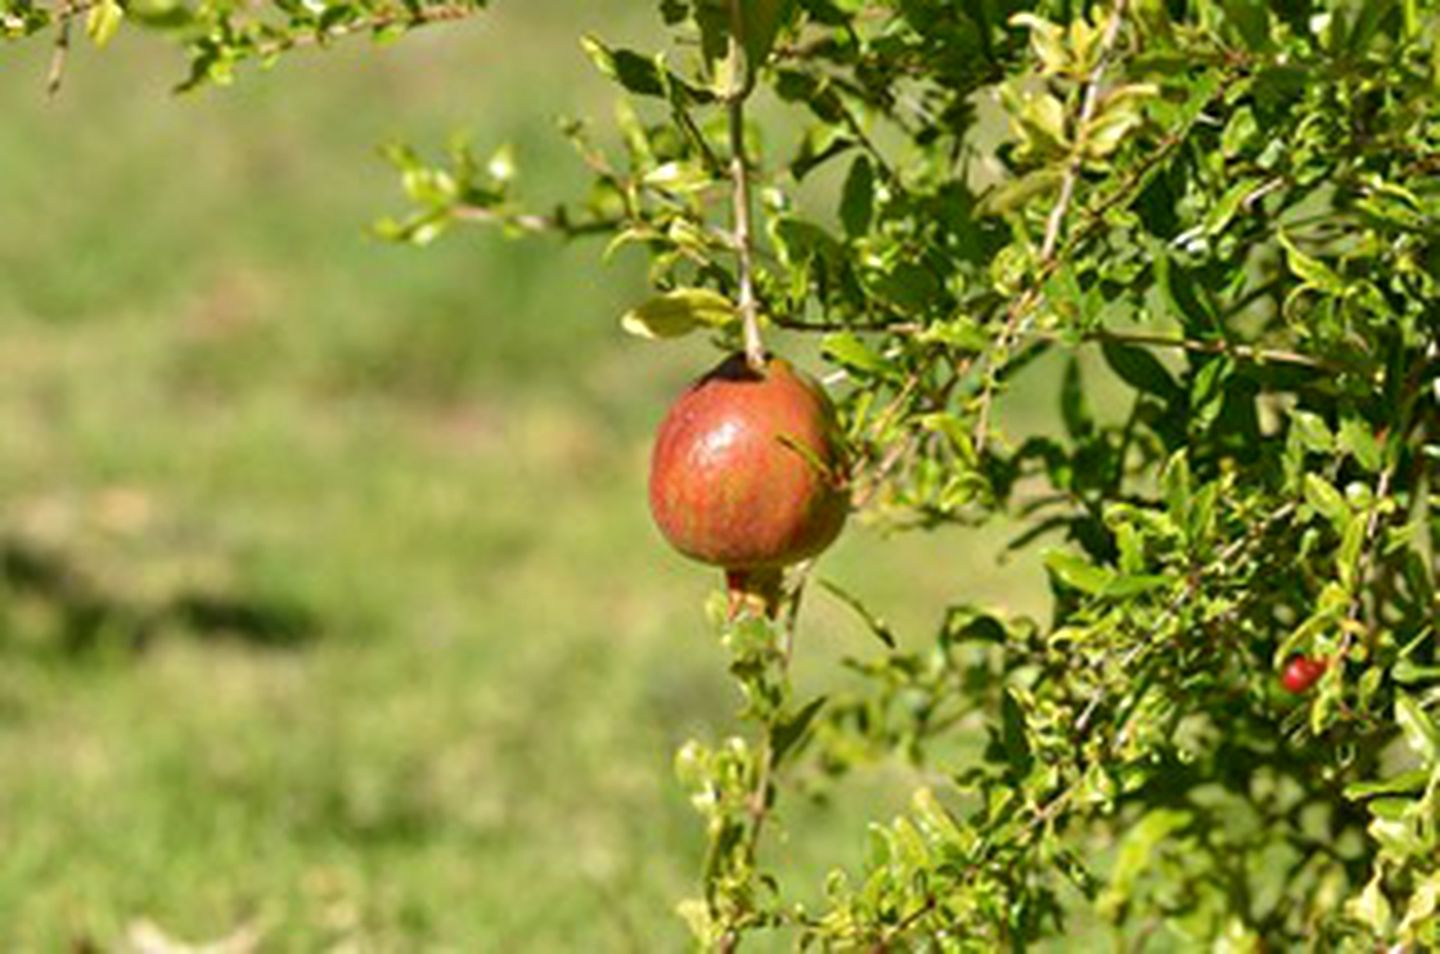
column 213, row 383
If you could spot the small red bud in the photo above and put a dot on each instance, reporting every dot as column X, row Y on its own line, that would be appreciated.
column 1301, row 672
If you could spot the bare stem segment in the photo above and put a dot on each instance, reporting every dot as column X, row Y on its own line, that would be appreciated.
column 744, row 238
column 1087, row 112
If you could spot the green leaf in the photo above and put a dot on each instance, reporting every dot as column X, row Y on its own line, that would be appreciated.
column 789, row 731
column 826, row 472
column 1016, row 193
column 1140, row 369
column 798, row 241
column 857, row 198
column 1076, row 572
column 1239, row 131
column 1312, row 272
column 1371, row 907
column 1122, row 587
column 1334, row 601
column 1012, row 735
column 678, row 313
column 1038, row 118
column 681, row 177
column 1207, row 390
column 713, row 18
column 1392, row 826
column 1357, row 440
column 962, row 333
column 908, row 846
column 1074, row 407
column 1347, row 555
column 967, row 623
column 1312, row 431
column 1180, row 292
column 1251, row 21
column 634, row 72
column 1420, row 731
column 1228, row 204
column 501, row 164
column 1177, row 485
column 1406, row 783
column 906, row 285
column 1324, row 704
column 1133, row 858
column 936, row 821
column 1104, row 134
column 847, row 349
column 875, row 624
column 1407, row 672
column 1047, row 40
column 763, row 20
column 103, row 21
column 1424, row 902
column 1327, row 501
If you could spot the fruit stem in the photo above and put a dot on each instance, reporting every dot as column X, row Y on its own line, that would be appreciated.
column 743, row 237
column 753, row 590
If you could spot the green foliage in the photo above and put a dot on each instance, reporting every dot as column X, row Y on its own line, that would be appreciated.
column 1232, row 209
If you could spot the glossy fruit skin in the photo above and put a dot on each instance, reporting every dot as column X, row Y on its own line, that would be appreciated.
column 747, row 470
column 1301, row 672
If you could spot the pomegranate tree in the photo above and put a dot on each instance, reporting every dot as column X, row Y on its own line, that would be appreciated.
column 748, row 474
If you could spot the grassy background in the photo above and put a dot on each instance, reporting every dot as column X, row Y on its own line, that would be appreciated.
column 334, row 608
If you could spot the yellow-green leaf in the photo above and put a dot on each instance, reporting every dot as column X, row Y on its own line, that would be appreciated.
column 1076, row 572
column 1421, row 733
column 678, row 313
column 1327, row 501
column 1311, row 271
column 103, row 20
column 1372, row 908
column 1136, row 849
column 679, row 176
column 1047, row 40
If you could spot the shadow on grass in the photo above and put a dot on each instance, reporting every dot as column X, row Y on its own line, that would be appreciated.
column 88, row 616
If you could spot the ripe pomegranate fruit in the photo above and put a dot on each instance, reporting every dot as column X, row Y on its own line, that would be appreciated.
column 748, row 474
column 1301, row 672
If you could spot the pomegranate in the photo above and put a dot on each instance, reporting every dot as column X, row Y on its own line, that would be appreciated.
column 748, row 474
column 1301, row 672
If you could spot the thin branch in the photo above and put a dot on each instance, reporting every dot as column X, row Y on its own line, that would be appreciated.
column 1054, row 223
column 416, row 16
column 1243, row 352
column 826, row 327
column 534, row 223
column 740, row 175
column 56, row 74
column 1087, row 112
column 744, row 240
column 68, row 11
column 896, row 932
column 1365, row 559
column 758, row 799
column 898, row 452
